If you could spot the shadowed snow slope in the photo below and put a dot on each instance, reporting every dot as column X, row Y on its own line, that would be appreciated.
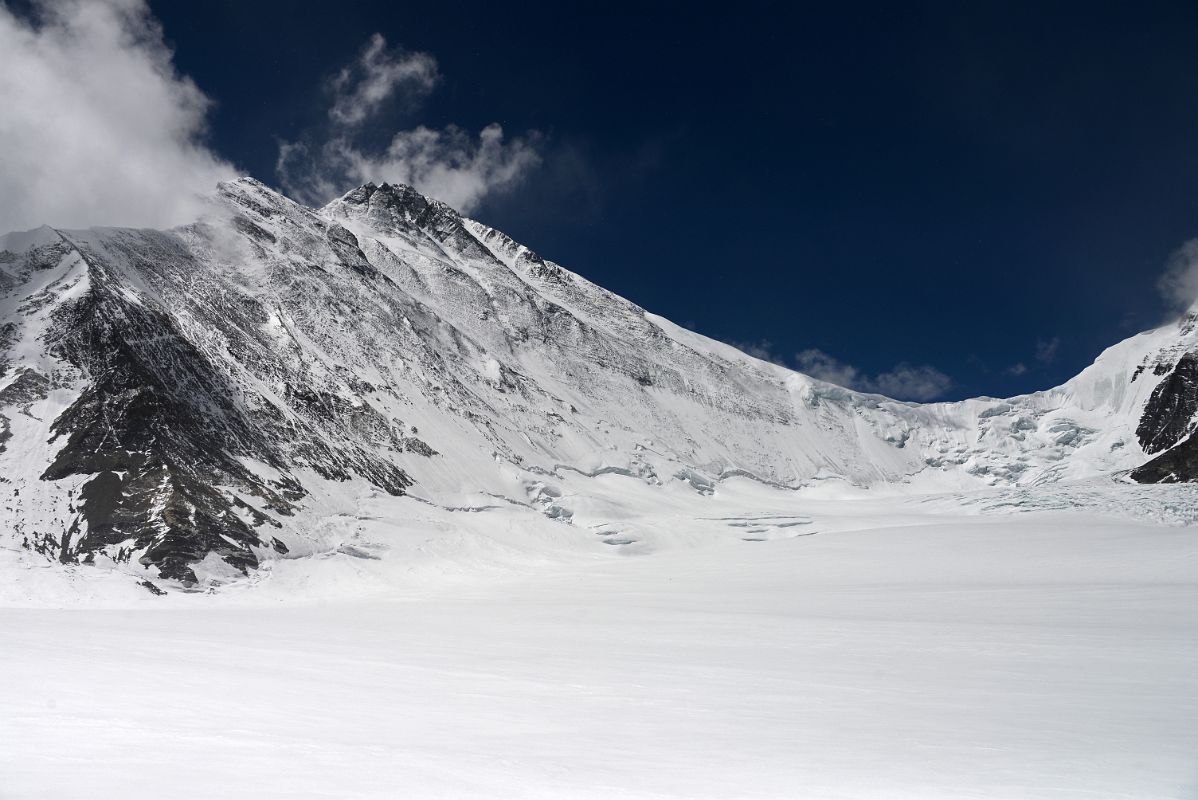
column 188, row 405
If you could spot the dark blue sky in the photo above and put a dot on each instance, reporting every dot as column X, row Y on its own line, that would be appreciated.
column 949, row 184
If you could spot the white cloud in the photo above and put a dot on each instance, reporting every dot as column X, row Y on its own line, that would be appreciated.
column 762, row 349
column 824, row 367
column 1179, row 284
column 96, row 125
column 905, row 381
column 449, row 164
column 1045, row 353
column 1046, row 349
column 910, row 382
column 377, row 76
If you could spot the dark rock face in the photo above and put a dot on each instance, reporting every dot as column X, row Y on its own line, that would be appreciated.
column 27, row 387
column 1171, row 409
column 391, row 208
column 165, row 421
column 152, row 589
column 345, row 245
column 1177, row 465
column 157, row 414
column 1167, row 425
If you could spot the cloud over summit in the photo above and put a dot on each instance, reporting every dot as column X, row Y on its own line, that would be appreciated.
column 378, row 75
column 96, row 125
column 449, row 164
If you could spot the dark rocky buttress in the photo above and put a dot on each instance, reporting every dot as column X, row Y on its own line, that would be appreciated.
column 161, row 431
column 1167, row 424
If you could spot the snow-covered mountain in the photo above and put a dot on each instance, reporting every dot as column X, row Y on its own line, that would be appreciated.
column 178, row 403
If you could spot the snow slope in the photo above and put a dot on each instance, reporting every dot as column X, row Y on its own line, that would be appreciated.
column 206, row 399
column 999, row 644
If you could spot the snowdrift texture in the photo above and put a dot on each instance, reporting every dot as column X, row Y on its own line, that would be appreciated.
column 186, row 405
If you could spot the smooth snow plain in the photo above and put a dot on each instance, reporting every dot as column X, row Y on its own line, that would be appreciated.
column 664, row 644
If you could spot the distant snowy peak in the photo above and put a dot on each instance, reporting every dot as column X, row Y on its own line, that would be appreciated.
column 195, row 401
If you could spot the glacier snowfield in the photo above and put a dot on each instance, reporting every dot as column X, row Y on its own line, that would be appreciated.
column 663, row 643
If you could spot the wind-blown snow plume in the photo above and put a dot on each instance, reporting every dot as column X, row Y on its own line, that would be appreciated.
column 97, row 126
column 449, row 164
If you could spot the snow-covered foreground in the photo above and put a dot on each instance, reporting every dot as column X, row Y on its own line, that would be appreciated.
column 944, row 647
